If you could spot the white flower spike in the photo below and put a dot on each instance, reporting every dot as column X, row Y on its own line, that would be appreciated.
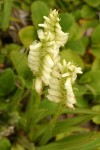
column 44, row 55
column 44, row 61
column 61, row 86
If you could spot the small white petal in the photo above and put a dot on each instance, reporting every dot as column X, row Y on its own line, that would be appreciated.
column 42, row 25
column 33, row 68
column 38, row 85
column 53, row 98
column 55, row 81
column 70, row 105
column 56, row 74
column 66, row 74
column 40, row 34
column 49, row 60
column 54, row 86
column 47, row 69
column 45, row 74
column 35, row 46
column 54, row 92
column 47, row 19
column 46, row 81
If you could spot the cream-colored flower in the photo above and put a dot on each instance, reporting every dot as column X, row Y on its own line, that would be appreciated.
column 44, row 55
column 61, row 83
column 52, row 25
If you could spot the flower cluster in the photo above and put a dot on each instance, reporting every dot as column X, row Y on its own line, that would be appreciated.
column 43, row 55
column 63, row 76
column 44, row 61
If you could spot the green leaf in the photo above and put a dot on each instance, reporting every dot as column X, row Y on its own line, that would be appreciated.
column 27, row 35
column 85, row 41
column 96, row 64
column 69, row 55
column 69, row 25
column 76, row 46
column 38, row 10
column 81, row 102
column 91, row 79
column 20, row 63
column 6, row 14
column 5, row 144
column 7, row 82
column 95, row 39
column 96, row 52
column 96, row 119
column 87, row 12
column 62, row 126
column 67, row 20
column 81, row 111
column 93, row 3
column 86, row 141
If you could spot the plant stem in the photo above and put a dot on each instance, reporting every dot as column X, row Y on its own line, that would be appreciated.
column 37, row 100
column 48, row 133
column 56, row 115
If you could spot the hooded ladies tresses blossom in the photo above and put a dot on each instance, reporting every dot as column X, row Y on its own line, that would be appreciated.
column 62, row 79
column 44, row 61
column 44, row 54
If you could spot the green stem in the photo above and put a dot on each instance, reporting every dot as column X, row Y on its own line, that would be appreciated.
column 48, row 133
column 56, row 115
column 37, row 100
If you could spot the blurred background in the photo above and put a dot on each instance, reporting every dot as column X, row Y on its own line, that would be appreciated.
column 23, row 126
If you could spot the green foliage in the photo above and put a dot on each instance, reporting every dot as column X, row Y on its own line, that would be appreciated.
column 5, row 144
column 26, row 121
column 27, row 35
column 38, row 9
column 5, row 14
column 7, row 82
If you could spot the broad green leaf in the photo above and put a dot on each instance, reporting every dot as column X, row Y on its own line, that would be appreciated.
column 87, row 12
column 93, row 3
column 67, row 20
column 81, row 111
column 96, row 119
column 69, row 55
column 77, row 14
column 69, row 131
column 91, row 79
column 79, row 89
column 38, row 10
column 81, row 101
column 76, row 46
column 20, row 63
column 7, row 82
column 6, row 14
column 96, row 52
column 75, row 32
column 69, row 25
column 95, row 39
column 85, row 41
column 63, row 126
column 86, row 141
column 5, row 144
column 27, row 35
column 96, row 64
